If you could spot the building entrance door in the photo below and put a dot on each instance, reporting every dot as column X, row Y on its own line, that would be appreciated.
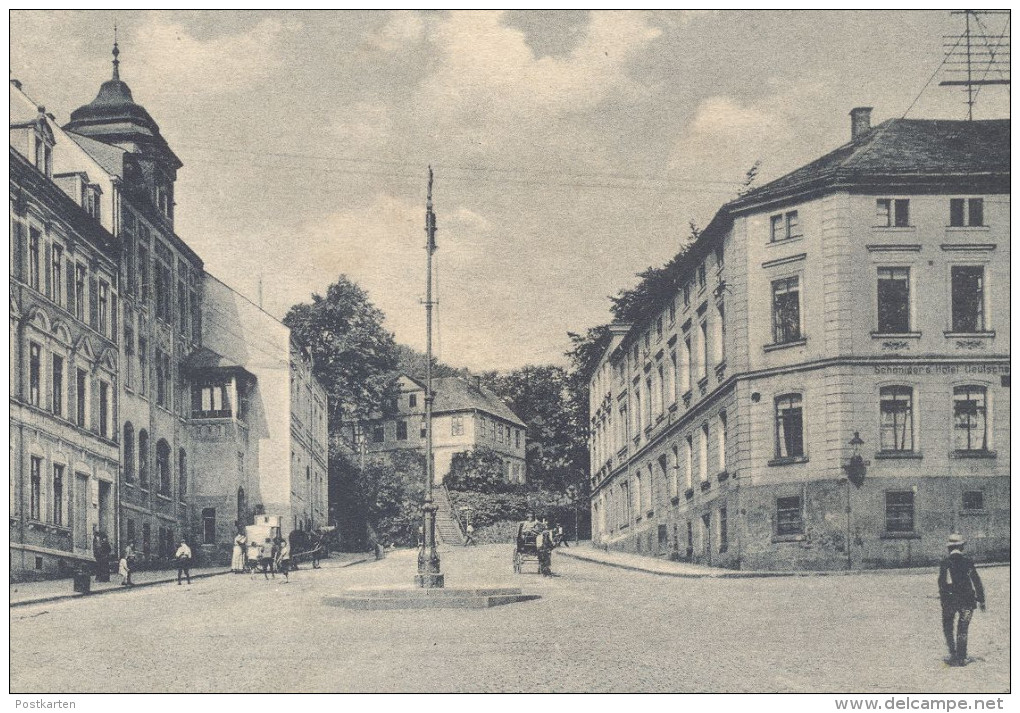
column 105, row 510
column 81, row 512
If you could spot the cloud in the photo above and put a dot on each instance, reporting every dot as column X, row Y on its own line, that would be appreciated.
column 488, row 70
column 401, row 29
column 224, row 63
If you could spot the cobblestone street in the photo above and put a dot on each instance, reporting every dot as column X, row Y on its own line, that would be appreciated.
column 595, row 628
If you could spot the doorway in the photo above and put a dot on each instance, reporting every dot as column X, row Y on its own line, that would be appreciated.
column 81, row 512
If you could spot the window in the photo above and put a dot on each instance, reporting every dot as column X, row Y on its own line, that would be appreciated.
column 892, row 213
column 722, row 441
column 649, row 394
column 689, row 472
column 143, row 264
column 658, row 329
column 56, row 273
column 457, row 426
column 129, row 452
column 34, row 374
column 662, row 388
column 687, row 294
column 973, row 500
column 701, row 276
column 81, row 396
column 211, row 401
column 966, row 212
column 899, row 511
column 79, row 292
column 703, row 362
column 720, row 332
column 625, row 501
column 182, row 307
column 672, row 311
column 412, row 400
column 58, row 494
column 143, row 366
column 786, row 310
column 35, row 485
column 517, row 434
column 104, row 306
column 893, row 300
column 34, row 237
column 671, row 388
column 970, row 418
column 209, row 526
column 58, row 385
column 897, row 418
column 146, row 540
column 688, row 366
column 723, row 532
column 968, row 298
column 703, row 453
column 143, row 459
column 401, row 430
column 789, row 516
column 104, row 409
column 784, row 227
column 789, row 427
column 378, row 433
column 130, row 532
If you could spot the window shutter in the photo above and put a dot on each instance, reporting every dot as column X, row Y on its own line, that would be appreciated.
column 93, row 302
column 48, row 269
column 19, row 250
column 70, row 287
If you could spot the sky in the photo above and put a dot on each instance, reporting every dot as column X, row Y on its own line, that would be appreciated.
column 571, row 149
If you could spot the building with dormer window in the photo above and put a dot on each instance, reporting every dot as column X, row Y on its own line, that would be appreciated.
column 115, row 390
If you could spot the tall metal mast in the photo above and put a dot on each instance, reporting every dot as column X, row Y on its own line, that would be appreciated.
column 429, row 575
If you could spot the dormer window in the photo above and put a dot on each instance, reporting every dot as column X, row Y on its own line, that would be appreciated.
column 43, row 149
column 90, row 193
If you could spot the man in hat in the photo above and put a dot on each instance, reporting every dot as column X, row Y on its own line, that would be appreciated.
column 960, row 591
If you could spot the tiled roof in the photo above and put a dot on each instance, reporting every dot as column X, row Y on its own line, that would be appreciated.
column 111, row 158
column 905, row 148
column 456, row 394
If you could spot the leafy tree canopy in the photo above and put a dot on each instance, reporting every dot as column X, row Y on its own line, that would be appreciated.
column 353, row 352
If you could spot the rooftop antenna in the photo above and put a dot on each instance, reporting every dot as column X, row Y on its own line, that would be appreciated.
column 976, row 53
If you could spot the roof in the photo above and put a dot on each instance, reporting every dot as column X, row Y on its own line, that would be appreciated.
column 205, row 360
column 911, row 150
column 111, row 158
column 455, row 394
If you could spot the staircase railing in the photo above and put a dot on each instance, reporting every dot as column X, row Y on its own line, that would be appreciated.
column 445, row 504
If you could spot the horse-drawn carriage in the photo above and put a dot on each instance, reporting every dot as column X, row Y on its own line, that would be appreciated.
column 534, row 546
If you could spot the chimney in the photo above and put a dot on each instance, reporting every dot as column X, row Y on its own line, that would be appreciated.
column 860, row 122
column 478, row 384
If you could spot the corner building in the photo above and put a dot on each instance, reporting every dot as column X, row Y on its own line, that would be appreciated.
column 857, row 306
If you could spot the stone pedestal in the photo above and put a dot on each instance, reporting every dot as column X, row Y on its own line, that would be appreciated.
column 437, row 598
column 429, row 581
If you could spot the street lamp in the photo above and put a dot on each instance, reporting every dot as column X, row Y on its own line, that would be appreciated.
column 856, row 468
column 574, row 494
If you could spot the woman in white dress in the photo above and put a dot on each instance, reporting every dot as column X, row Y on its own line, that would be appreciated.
column 237, row 560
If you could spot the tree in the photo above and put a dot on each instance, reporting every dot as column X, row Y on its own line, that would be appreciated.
column 412, row 362
column 539, row 395
column 479, row 470
column 353, row 353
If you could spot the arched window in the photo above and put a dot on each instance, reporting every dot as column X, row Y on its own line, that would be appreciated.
column 129, row 452
column 163, row 466
column 143, row 458
column 182, row 473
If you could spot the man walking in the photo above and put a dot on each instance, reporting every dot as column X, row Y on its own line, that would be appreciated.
column 960, row 591
column 183, row 556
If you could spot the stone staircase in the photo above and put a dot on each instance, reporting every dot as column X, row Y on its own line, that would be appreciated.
column 447, row 526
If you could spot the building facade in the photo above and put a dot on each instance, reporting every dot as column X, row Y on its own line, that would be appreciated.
column 257, row 423
column 64, row 382
column 855, row 307
column 465, row 416
column 123, row 420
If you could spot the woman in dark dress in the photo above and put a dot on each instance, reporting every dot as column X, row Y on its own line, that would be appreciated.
column 101, row 551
